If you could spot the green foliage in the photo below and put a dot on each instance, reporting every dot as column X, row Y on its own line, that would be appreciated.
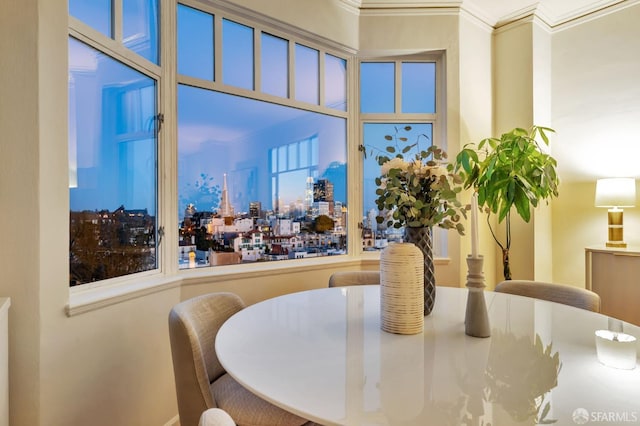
column 416, row 187
column 512, row 171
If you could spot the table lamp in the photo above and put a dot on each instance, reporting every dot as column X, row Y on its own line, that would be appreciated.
column 615, row 193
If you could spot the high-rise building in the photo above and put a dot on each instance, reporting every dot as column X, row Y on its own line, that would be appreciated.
column 323, row 191
column 255, row 209
column 323, row 194
column 308, row 195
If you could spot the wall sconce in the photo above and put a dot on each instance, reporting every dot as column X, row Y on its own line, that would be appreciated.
column 615, row 193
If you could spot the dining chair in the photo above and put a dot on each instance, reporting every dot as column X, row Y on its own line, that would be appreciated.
column 201, row 381
column 344, row 278
column 560, row 293
column 216, row 417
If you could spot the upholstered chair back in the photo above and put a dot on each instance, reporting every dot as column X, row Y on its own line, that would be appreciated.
column 560, row 293
column 345, row 278
column 193, row 326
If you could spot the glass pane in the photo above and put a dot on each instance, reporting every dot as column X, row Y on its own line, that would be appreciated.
column 307, row 75
column 418, row 87
column 230, row 145
column 335, row 83
column 304, row 153
column 377, row 87
column 273, row 153
column 237, row 54
column 293, row 156
column 95, row 13
column 282, row 158
column 376, row 236
column 195, row 43
column 112, row 167
column 140, row 27
column 275, row 66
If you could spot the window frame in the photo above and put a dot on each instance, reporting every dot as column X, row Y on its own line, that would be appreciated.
column 91, row 296
column 116, row 50
column 437, row 120
column 260, row 26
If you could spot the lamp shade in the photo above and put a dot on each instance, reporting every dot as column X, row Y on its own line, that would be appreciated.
column 616, row 192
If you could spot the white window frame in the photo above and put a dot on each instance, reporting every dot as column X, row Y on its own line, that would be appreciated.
column 93, row 296
column 436, row 119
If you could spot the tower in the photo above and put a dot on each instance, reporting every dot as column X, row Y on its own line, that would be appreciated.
column 226, row 210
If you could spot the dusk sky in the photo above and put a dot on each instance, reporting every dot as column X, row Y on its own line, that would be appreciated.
column 220, row 133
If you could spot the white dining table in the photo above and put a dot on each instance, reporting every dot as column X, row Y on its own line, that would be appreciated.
column 322, row 355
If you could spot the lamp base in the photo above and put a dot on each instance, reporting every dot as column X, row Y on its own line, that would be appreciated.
column 615, row 229
column 618, row 244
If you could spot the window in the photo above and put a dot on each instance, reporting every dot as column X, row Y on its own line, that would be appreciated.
column 195, row 59
column 112, row 167
column 138, row 23
column 96, row 14
column 250, row 168
column 113, row 123
column 140, row 27
column 275, row 59
column 394, row 94
column 237, row 54
column 261, row 119
column 259, row 180
column 307, row 77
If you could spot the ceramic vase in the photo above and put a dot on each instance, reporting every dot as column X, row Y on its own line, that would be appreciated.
column 423, row 239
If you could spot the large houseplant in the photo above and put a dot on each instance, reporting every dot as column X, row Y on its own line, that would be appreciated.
column 511, row 171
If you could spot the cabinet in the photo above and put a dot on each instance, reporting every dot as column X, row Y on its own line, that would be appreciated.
column 615, row 275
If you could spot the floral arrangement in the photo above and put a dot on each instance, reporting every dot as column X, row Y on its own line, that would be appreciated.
column 416, row 187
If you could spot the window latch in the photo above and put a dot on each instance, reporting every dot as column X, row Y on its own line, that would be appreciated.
column 160, row 121
column 160, row 234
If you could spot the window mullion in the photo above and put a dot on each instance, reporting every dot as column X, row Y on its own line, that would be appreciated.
column 398, row 87
column 321, row 74
column 117, row 20
column 257, row 60
column 292, row 70
column 217, row 49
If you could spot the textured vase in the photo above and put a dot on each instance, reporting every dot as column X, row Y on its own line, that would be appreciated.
column 423, row 239
column 401, row 302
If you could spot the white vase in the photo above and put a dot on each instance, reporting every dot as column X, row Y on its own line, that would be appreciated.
column 401, row 289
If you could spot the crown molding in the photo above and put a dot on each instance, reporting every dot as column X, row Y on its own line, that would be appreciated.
column 542, row 9
column 410, row 11
column 612, row 7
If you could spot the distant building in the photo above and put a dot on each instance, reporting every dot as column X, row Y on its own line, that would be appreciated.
column 226, row 209
column 323, row 197
column 255, row 209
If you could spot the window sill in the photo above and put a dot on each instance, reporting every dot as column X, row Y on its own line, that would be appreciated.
column 95, row 297
column 90, row 297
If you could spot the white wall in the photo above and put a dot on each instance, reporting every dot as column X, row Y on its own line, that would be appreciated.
column 476, row 111
column 596, row 113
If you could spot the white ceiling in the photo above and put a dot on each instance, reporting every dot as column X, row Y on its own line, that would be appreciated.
column 496, row 12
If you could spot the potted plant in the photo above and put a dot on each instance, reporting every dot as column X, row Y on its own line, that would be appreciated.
column 510, row 171
column 417, row 190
